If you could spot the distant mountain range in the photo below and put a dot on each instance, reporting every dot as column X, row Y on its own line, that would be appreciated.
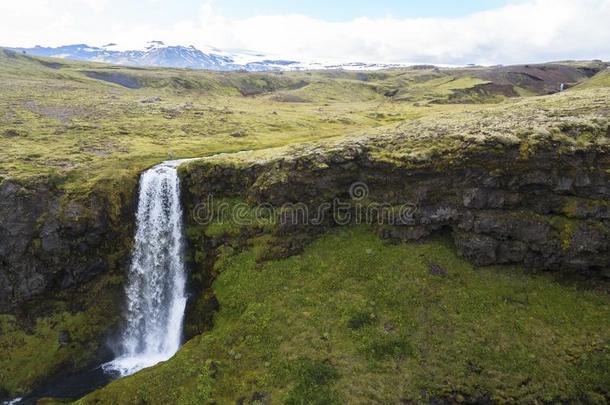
column 158, row 54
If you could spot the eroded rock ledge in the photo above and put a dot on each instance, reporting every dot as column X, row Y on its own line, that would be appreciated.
column 505, row 201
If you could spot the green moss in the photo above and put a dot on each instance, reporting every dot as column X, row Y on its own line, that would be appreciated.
column 570, row 208
column 352, row 318
column 313, row 383
column 383, row 348
column 525, row 150
column 231, row 217
column 566, row 236
column 32, row 349
column 582, row 208
column 360, row 319
column 566, row 228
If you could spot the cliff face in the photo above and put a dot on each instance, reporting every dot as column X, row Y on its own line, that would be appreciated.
column 61, row 262
column 51, row 241
column 504, row 204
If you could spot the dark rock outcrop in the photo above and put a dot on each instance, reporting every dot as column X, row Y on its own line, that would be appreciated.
column 51, row 241
column 548, row 210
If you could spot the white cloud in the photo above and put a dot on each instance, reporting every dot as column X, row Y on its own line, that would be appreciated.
column 525, row 31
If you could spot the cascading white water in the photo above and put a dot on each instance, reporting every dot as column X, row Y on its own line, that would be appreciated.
column 156, row 281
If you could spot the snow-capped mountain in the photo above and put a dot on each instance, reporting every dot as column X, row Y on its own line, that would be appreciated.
column 156, row 53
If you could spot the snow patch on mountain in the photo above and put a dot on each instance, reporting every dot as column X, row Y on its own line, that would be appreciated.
column 157, row 54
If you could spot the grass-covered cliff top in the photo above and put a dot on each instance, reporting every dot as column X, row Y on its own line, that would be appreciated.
column 571, row 121
column 78, row 124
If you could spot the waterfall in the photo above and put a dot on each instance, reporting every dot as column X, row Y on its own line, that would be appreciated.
column 156, row 281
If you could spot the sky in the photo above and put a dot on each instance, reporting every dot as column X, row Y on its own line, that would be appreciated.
column 391, row 31
column 342, row 10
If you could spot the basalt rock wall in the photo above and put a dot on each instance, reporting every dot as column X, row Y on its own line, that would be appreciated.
column 51, row 241
column 545, row 210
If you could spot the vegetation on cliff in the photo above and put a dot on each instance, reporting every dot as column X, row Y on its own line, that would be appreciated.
column 355, row 320
column 351, row 318
column 57, row 334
